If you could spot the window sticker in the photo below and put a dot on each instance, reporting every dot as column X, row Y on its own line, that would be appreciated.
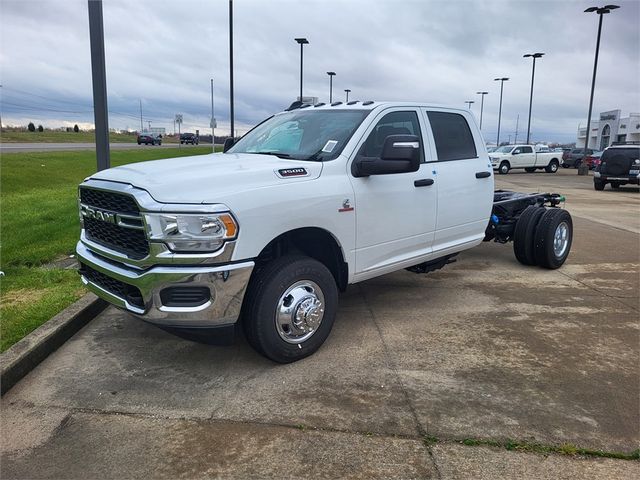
column 329, row 146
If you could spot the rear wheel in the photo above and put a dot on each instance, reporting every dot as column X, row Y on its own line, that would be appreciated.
column 523, row 237
column 553, row 238
column 552, row 167
column 530, row 169
column 598, row 184
column 504, row 167
column 290, row 308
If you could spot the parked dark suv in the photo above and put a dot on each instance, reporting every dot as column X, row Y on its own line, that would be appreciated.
column 149, row 138
column 574, row 157
column 191, row 138
column 619, row 165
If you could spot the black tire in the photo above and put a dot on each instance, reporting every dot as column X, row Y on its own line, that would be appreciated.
column 139, row 143
column 598, row 184
column 504, row 167
column 530, row 169
column 523, row 236
column 546, row 231
column 267, row 287
column 565, row 165
column 552, row 167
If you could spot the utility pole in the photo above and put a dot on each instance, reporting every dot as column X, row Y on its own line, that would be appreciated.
column 517, row 122
column 99, row 80
column 149, row 122
column 347, row 92
column 213, row 122
column 231, row 64
column 331, row 75
column 141, row 126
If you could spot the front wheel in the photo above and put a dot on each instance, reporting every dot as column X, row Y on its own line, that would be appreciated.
column 290, row 308
column 552, row 167
column 504, row 168
column 598, row 184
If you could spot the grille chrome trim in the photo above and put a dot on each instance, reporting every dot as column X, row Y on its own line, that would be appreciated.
column 159, row 253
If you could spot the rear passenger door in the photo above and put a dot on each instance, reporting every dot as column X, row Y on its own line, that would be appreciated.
column 464, row 179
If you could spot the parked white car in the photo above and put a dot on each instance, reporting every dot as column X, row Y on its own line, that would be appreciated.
column 311, row 200
column 509, row 157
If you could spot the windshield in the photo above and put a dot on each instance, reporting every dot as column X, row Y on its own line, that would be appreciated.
column 303, row 135
column 504, row 149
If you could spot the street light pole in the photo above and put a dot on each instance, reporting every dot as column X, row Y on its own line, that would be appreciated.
column 533, row 72
column 469, row 102
column 347, row 90
column 583, row 169
column 302, row 42
column 331, row 74
column 482, row 94
column 231, row 66
column 501, row 80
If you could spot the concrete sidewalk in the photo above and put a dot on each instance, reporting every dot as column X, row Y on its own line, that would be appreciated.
column 484, row 349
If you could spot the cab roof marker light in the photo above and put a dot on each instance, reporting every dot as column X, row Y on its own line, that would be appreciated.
column 368, row 102
column 335, row 104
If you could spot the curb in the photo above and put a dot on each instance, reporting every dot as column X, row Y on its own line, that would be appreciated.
column 26, row 354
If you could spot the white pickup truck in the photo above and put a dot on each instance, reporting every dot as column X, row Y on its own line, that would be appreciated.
column 311, row 200
column 509, row 157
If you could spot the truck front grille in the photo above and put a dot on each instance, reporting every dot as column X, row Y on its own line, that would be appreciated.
column 120, row 289
column 131, row 242
column 112, row 201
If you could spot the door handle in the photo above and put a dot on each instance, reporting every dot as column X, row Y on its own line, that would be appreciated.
column 483, row 174
column 425, row 182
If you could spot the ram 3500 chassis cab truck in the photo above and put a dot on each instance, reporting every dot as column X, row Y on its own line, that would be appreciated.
column 311, row 200
column 509, row 157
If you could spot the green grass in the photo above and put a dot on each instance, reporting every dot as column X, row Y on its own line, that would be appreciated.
column 39, row 224
column 55, row 136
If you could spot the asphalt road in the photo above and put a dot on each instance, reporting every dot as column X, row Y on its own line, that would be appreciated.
column 485, row 348
column 50, row 147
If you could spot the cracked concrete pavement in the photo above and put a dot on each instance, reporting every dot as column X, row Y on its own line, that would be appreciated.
column 484, row 348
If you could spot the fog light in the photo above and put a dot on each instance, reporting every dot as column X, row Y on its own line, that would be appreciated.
column 185, row 296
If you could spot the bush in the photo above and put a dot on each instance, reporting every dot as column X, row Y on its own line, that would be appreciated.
column 40, row 128
column 31, row 127
column 75, row 128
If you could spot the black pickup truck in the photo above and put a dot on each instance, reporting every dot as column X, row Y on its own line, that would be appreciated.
column 191, row 138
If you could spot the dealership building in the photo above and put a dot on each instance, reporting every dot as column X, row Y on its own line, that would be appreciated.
column 611, row 128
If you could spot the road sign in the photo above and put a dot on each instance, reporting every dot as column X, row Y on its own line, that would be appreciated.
column 213, row 123
column 178, row 118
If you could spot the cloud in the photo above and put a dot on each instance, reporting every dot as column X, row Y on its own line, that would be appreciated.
column 163, row 53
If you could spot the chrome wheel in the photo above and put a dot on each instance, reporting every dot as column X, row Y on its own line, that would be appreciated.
column 300, row 311
column 560, row 239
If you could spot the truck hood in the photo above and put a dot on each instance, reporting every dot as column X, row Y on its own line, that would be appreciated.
column 210, row 178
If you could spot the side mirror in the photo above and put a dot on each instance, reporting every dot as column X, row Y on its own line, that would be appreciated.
column 228, row 143
column 400, row 154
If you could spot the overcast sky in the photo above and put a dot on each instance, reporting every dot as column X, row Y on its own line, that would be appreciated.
column 165, row 52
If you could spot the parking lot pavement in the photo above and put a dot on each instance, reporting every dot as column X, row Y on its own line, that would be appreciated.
column 484, row 348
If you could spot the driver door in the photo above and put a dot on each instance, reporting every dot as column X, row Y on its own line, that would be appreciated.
column 395, row 213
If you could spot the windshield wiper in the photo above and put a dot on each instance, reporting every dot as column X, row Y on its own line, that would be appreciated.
column 277, row 154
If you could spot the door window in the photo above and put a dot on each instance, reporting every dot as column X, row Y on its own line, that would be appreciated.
column 527, row 150
column 395, row 123
column 452, row 136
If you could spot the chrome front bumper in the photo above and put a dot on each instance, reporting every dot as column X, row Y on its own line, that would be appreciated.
column 227, row 285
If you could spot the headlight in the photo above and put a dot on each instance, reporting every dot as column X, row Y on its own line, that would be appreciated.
column 184, row 232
